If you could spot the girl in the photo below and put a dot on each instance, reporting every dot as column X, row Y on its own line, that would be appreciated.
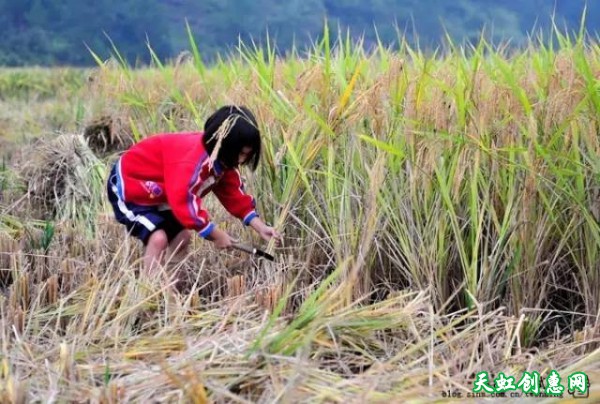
column 156, row 187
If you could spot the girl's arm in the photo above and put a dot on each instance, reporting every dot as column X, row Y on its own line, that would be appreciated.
column 230, row 191
column 181, row 183
column 232, row 195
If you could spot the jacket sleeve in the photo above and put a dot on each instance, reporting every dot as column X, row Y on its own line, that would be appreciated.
column 230, row 192
column 181, row 184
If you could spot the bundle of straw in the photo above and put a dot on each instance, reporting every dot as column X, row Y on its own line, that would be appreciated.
column 65, row 180
column 106, row 135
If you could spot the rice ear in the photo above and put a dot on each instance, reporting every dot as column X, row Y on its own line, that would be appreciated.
column 222, row 133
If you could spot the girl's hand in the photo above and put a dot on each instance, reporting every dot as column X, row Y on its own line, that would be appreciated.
column 265, row 232
column 221, row 239
column 268, row 233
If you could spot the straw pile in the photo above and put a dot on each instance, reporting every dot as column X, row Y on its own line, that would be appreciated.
column 64, row 178
column 107, row 135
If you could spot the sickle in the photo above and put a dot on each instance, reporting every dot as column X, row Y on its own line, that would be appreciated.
column 253, row 251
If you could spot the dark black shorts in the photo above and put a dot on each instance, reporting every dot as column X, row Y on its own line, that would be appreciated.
column 141, row 221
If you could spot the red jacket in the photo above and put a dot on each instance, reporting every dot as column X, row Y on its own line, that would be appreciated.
column 174, row 169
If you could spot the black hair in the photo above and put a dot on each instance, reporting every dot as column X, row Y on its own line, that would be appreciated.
column 243, row 133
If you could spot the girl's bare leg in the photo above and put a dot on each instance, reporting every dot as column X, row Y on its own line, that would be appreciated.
column 154, row 252
column 178, row 249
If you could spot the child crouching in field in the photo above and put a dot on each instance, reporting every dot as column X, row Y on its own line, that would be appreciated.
column 156, row 187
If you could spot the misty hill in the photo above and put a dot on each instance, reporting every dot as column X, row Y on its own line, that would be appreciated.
column 49, row 32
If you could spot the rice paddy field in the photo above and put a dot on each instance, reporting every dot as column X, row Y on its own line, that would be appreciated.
column 440, row 214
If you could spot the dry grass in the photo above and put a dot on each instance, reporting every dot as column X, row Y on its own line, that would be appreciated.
column 74, row 332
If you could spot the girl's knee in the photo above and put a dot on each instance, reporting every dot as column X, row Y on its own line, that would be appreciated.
column 158, row 240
